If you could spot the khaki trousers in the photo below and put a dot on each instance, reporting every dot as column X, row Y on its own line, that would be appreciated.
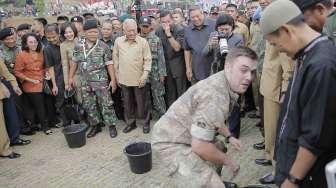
column 4, row 139
column 271, row 116
column 255, row 88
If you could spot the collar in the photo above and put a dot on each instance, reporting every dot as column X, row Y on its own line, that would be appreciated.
column 136, row 39
column 332, row 13
column 309, row 46
column 205, row 24
column 110, row 39
column 9, row 49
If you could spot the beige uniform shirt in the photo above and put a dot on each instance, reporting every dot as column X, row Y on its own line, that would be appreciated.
column 242, row 29
column 4, row 72
column 277, row 70
column 67, row 48
column 131, row 60
column 198, row 113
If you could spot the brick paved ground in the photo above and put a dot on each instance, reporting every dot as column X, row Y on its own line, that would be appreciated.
column 48, row 162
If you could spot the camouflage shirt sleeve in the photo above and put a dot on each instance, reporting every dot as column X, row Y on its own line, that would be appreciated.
column 75, row 54
column 108, row 56
column 209, row 116
column 161, row 59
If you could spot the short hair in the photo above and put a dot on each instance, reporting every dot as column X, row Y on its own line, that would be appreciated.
column 49, row 28
column 25, row 45
column 232, row 6
column 65, row 26
column 225, row 19
column 43, row 21
column 240, row 51
column 297, row 21
column 164, row 13
column 194, row 8
column 177, row 12
column 62, row 18
column 129, row 21
column 327, row 3
column 251, row 1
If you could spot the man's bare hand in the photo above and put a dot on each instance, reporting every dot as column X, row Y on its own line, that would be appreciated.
column 17, row 90
column 189, row 74
column 237, row 144
column 234, row 168
column 143, row 80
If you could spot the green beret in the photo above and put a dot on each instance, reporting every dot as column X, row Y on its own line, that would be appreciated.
column 5, row 32
column 90, row 24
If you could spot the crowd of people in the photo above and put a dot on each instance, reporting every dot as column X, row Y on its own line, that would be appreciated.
column 279, row 68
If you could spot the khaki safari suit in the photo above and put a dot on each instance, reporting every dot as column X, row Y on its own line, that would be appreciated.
column 198, row 113
column 243, row 30
column 4, row 139
column 277, row 70
column 257, row 43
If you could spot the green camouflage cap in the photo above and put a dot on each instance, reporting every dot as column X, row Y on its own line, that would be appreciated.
column 277, row 14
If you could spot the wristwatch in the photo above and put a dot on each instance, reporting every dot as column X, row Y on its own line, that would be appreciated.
column 294, row 180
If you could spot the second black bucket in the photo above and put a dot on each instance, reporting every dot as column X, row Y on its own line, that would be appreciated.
column 139, row 156
column 75, row 135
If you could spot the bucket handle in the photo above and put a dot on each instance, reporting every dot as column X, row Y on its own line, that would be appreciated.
column 133, row 142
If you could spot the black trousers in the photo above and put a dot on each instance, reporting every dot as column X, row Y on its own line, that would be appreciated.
column 36, row 106
column 137, row 104
column 175, row 87
column 118, row 103
column 12, row 120
column 234, row 121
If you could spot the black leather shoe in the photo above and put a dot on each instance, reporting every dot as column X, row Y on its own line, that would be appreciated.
column 13, row 155
column 267, row 179
column 258, row 125
column 21, row 142
column 230, row 184
column 256, row 186
column 113, row 131
column 263, row 162
column 259, row 146
column 27, row 131
column 129, row 128
column 146, row 129
column 93, row 131
column 253, row 116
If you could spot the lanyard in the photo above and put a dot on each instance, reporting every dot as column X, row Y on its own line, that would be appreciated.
column 90, row 51
column 298, row 66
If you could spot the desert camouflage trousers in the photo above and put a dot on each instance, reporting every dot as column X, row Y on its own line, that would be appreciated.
column 187, row 169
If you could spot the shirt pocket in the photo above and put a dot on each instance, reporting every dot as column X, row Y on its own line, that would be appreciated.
column 98, row 56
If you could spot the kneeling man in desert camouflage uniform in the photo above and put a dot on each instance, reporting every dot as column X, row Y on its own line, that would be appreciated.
column 185, row 137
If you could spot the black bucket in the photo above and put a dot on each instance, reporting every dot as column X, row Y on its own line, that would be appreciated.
column 75, row 135
column 139, row 156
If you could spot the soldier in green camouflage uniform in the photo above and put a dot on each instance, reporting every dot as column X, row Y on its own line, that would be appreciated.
column 94, row 64
column 8, row 53
column 158, row 70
